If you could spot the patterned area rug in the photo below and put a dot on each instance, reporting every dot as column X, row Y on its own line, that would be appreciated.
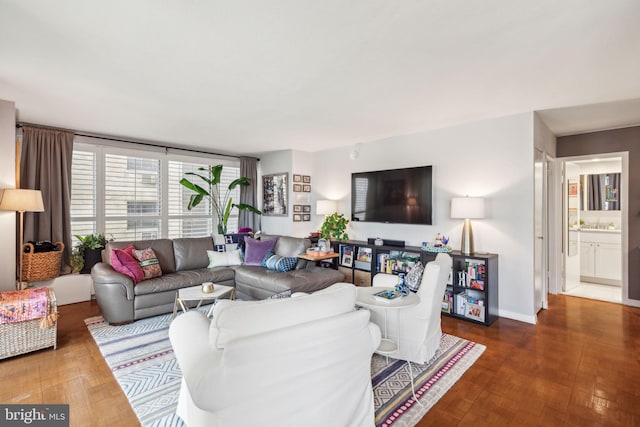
column 141, row 359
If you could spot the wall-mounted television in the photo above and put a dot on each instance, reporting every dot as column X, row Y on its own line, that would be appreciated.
column 400, row 196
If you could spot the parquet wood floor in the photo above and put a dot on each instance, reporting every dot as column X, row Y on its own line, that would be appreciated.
column 579, row 366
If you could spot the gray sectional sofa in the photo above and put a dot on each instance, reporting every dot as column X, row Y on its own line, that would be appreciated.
column 184, row 263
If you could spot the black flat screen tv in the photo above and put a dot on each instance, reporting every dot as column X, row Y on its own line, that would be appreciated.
column 400, row 196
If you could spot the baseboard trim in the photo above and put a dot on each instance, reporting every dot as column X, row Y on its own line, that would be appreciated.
column 518, row 316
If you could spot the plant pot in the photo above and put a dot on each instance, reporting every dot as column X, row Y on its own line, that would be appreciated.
column 91, row 258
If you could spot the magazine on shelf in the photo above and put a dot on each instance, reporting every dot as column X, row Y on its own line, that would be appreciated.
column 475, row 274
column 387, row 295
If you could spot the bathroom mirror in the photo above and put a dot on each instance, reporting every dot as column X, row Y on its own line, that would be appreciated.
column 601, row 192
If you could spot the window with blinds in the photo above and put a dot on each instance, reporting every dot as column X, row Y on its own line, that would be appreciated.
column 83, row 193
column 133, row 195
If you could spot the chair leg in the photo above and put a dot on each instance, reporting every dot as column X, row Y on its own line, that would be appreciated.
column 413, row 388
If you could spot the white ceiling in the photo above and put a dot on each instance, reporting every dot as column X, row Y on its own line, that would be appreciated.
column 248, row 76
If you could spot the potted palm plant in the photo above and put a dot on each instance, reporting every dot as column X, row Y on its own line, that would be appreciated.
column 220, row 203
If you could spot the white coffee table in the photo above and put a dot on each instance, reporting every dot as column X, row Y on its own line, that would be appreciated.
column 195, row 293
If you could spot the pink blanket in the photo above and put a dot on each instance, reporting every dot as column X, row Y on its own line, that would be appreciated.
column 20, row 306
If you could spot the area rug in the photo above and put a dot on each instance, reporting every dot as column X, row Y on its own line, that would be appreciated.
column 140, row 357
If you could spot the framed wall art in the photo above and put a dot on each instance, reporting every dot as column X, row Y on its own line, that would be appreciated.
column 297, row 178
column 274, row 194
column 297, row 217
column 306, row 188
column 297, row 188
column 306, row 179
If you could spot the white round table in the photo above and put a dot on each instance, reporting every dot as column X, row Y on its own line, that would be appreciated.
column 365, row 298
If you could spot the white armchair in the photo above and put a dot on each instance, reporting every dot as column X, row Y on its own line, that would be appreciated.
column 301, row 361
column 419, row 326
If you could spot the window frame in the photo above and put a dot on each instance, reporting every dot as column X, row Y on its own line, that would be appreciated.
column 101, row 148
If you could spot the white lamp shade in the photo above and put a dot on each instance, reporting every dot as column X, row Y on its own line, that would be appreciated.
column 326, row 207
column 21, row 200
column 467, row 207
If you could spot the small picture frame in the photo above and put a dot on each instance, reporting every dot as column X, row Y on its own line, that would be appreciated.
column 297, row 178
column 297, row 217
column 573, row 188
column 306, row 179
column 306, row 209
column 297, row 188
column 297, row 208
column 306, row 217
column 306, row 188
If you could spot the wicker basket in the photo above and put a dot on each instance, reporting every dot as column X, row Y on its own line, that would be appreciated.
column 24, row 337
column 41, row 265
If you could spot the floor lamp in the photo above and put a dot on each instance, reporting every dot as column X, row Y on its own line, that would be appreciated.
column 467, row 208
column 21, row 200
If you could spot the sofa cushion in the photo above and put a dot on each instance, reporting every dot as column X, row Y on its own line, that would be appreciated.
column 123, row 261
column 191, row 253
column 224, row 259
column 255, row 250
column 183, row 279
column 149, row 262
column 278, row 263
column 237, row 319
column 308, row 280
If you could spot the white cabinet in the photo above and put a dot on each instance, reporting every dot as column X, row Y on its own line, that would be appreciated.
column 600, row 257
column 587, row 259
column 608, row 261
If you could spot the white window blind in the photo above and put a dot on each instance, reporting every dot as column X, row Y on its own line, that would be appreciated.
column 135, row 195
column 83, row 193
column 182, row 222
column 132, row 197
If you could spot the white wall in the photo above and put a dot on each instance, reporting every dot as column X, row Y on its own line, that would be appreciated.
column 492, row 158
column 7, row 180
column 275, row 162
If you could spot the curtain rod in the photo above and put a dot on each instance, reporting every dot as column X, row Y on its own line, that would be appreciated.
column 111, row 138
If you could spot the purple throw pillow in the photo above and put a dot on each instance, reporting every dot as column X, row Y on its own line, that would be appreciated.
column 255, row 250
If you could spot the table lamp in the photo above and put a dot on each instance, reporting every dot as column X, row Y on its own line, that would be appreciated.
column 467, row 208
column 21, row 200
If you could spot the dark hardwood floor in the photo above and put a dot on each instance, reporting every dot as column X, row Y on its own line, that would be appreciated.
column 579, row 366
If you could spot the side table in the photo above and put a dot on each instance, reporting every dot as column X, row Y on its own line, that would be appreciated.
column 365, row 298
column 195, row 293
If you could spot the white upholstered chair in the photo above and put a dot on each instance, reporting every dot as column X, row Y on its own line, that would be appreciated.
column 280, row 362
column 419, row 326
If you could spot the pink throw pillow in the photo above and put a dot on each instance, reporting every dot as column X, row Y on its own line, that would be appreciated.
column 123, row 261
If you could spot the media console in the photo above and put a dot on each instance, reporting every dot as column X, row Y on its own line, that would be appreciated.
column 472, row 291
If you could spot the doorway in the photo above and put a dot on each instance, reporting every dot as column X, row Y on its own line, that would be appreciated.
column 594, row 194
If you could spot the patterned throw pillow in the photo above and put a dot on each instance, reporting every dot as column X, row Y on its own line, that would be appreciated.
column 278, row 263
column 414, row 278
column 149, row 263
column 123, row 261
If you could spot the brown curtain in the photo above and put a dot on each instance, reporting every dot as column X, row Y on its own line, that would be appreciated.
column 45, row 165
column 249, row 194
